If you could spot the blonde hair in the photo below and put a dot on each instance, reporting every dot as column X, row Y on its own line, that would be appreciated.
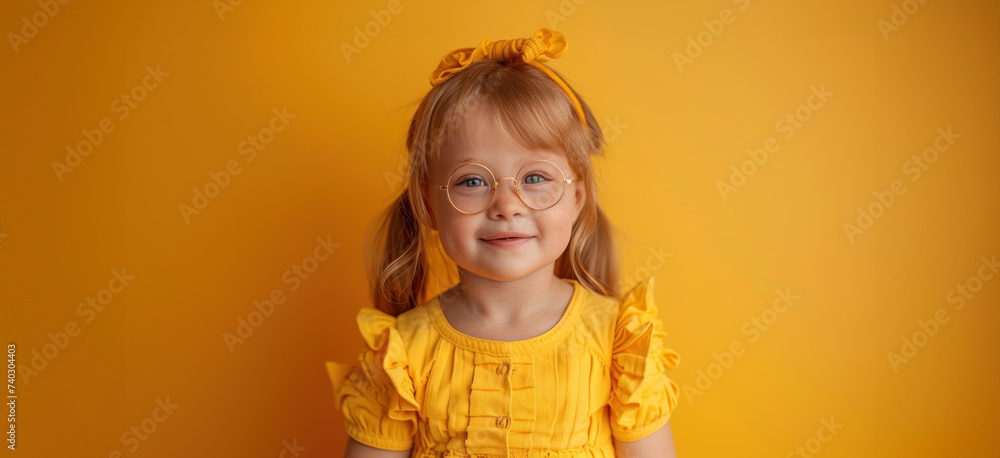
column 533, row 111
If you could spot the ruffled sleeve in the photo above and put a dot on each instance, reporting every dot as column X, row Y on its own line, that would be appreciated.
column 642, row 395
column 376, row 396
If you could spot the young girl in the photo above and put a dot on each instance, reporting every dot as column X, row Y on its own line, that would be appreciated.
column 532, row 352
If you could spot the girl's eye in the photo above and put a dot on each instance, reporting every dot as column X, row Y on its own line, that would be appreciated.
column 471, row 182
column 534, row 178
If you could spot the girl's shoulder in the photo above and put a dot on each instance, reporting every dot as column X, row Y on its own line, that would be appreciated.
column 638, row 324
column 637, row 307
column 411, row 326
column 416, row 324
column 610, row 325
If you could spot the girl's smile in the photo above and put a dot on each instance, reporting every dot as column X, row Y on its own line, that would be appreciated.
column 507, row 242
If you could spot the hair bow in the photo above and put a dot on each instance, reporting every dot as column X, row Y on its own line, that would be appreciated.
column 543, row 44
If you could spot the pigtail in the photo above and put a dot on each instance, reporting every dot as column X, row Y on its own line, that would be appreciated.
column 591, row 257
column 399, row 269
column 598, row 257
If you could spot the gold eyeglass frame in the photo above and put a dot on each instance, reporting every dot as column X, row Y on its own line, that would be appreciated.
column 496, row 185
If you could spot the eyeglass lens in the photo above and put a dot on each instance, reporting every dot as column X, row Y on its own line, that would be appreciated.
column 540, row 185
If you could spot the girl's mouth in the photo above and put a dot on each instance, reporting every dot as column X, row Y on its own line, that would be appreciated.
column 510, row 242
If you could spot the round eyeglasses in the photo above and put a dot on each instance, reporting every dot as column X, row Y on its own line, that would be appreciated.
column 472, row 188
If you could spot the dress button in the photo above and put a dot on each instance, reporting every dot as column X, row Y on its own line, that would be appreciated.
column 502, row 369
column 503, row 422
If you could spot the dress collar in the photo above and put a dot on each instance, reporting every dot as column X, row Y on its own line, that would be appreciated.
column 501, row 348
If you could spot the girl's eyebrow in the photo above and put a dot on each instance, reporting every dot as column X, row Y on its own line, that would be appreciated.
column 462, row 162
column 455, row 165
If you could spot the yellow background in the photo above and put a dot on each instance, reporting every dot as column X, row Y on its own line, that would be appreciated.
column 326, row 174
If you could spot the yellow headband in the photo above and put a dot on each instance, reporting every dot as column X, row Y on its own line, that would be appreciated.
column 531, row 51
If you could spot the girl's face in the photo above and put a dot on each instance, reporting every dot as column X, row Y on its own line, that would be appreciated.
column 508, row 240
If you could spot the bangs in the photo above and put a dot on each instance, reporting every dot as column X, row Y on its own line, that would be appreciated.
column 525, row 104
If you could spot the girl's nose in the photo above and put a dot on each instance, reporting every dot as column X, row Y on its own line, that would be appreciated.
column 507, row 203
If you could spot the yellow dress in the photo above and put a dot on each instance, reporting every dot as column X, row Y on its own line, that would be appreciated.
column 598, row 374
